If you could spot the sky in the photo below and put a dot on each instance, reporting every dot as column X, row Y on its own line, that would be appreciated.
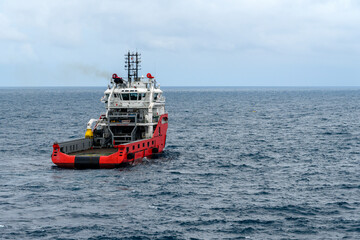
column 183, row 43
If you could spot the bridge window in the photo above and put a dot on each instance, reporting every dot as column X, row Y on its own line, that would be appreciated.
column 155, row 96
column 125, row 96
column 133, row 96
column 142, row 95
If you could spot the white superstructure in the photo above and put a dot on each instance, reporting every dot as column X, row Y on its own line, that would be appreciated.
column 133, row 107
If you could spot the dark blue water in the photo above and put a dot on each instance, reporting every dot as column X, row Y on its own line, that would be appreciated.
column 254, row 163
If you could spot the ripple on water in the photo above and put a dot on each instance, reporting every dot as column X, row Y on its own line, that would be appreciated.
column 242, row 163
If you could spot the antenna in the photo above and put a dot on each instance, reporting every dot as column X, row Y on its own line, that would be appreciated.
column 132, row 65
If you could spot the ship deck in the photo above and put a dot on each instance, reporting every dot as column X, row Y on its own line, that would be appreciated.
column 95, row 152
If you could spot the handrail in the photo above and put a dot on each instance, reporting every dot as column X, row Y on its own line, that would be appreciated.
column 133, row 133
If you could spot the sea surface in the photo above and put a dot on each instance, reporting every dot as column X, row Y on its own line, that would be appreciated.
column 240, row 163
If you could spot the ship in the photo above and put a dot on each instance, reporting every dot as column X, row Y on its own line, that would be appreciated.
column 133, row 127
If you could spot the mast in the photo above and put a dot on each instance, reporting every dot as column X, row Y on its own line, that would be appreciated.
column 132, row 65
column 136, row 64
column 128, row 66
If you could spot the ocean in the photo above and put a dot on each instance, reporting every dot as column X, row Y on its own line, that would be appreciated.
column 240, row 163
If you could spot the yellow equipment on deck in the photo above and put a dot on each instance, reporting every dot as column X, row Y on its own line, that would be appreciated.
column 89, row 133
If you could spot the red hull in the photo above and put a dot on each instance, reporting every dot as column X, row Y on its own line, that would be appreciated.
column 125, row 153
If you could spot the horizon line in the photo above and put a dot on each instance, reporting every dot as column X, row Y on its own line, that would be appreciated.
column 188, row 86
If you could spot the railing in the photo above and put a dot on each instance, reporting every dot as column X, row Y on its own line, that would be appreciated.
column 115, row 120
column 133, row 134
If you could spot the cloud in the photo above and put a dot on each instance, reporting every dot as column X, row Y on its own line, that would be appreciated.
column 229, row 24
column 96, row 33
column 234, row 25
column 7, row 32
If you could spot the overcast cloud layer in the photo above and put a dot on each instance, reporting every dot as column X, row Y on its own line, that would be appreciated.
column 183, row 43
